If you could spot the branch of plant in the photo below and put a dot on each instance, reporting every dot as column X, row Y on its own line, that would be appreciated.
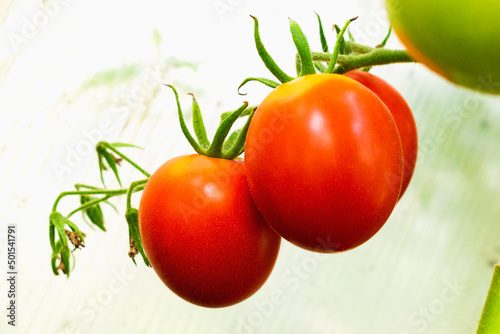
column 376, row 56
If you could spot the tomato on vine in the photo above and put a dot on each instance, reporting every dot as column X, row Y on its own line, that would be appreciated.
column 323, row 155
column 324, row 162
column 200, row 228
column 202, row 232
column 402, row 115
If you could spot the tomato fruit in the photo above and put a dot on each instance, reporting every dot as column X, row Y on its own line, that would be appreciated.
column 458, row 39
column 203, row 233
column 402, row 115
column 324, row 162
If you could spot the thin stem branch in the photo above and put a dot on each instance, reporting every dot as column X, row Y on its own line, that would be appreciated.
column 88, row 205
column 134, row 186
column 109, row 146
column 377, row 56
column 88, row 192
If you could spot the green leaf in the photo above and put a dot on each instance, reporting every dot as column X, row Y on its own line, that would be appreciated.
column 124, row 145
column 339, row 42
column 228, row 144
column 132, row 216
column 55, row 254
column 266, row 57
column 320, row 67
column 102, row 167
column 215, row 150
column 267, row 82
column 111, row 205
column 59, row 222
column 94, row 213
column 65, row 254
column 342, row 45
column 239, row 145
column 351, row 37
column 324, row 43
column 198, row 125
column 384, row 42
column 184, row 128
column 52, row 235
column 110, row 159
column 303, row 49
column 248, row 110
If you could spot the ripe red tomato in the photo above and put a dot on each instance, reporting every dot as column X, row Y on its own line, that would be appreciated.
column 203, row 233
column 324, row 162
column 402, row 116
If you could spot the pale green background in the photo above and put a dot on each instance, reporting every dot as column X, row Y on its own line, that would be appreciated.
column 427, row 271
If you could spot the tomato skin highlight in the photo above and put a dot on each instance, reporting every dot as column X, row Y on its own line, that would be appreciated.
column 402, row 115
column 457, row 39
column 202, row 232
column 323, row 159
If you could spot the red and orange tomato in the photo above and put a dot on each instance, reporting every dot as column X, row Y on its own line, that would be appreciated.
column 402, row 115
column 324, row 162
column 202, row 232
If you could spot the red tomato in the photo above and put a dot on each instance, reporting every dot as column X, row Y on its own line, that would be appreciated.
column 203, row 233
column 324, row 162
column 402, row 116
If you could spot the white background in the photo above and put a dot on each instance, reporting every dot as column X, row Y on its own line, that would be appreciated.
column 66, row 68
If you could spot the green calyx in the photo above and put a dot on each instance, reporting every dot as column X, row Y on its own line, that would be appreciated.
column 222, row 146
column 347, row 55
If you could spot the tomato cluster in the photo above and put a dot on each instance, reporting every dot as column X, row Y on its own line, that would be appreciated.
column 327, row 157
column 324, row 159
column 324, row 169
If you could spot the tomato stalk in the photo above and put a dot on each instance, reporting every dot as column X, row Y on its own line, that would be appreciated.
column 222, row 146
column 490, row 318
column 338, row 45
column 346, row 56
column 372, row 57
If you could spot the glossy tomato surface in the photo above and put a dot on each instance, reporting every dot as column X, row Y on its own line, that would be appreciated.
column 324, row 162
column 402, row 115
column 459, row 39
column 203, row 233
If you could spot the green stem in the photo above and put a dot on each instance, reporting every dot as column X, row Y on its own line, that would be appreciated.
column 79, row 185
column 490, row 319
column 353, row 47
column 88, row 205
column 88, row 192
column 377, row 56
column 266, row 57
column 134, row 186
column 109, row 146
column 338, row 44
